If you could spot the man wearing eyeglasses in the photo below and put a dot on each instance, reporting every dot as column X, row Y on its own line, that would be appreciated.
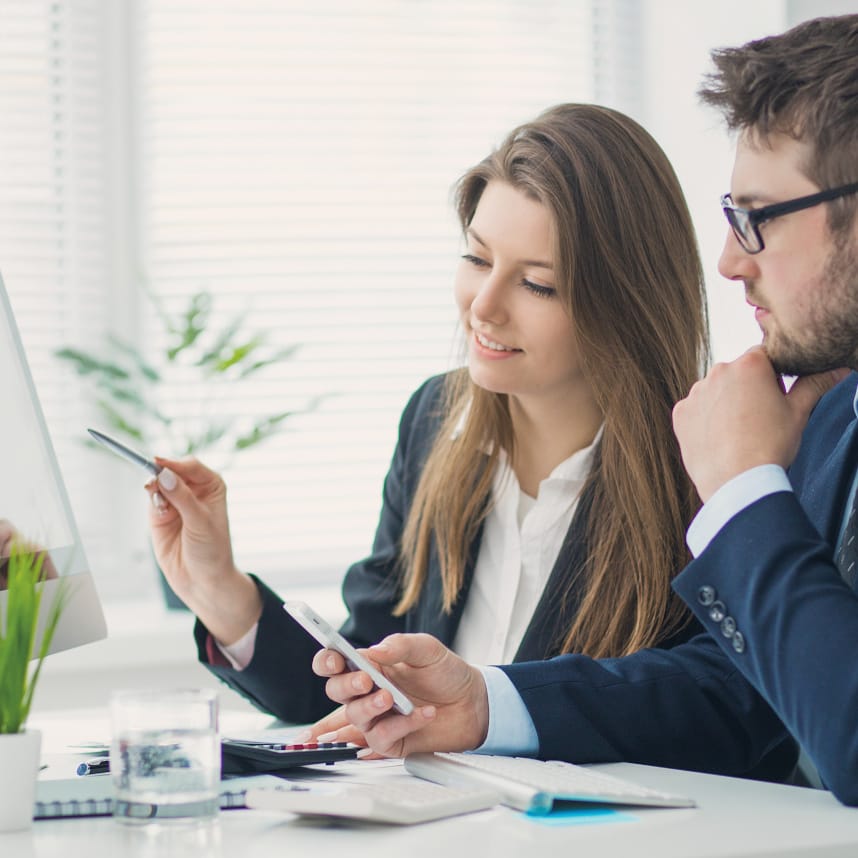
column 776, row 552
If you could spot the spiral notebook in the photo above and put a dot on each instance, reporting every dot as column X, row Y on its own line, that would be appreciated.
column 93, row 795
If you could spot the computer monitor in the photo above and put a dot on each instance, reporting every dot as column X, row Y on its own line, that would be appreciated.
column 33, row 497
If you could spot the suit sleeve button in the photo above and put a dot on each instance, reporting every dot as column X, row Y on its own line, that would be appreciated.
column 706, row 595
column 717, row 611
column 728, row 627
column 739, row 642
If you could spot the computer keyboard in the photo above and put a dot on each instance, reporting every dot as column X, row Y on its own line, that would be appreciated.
column 401, row 801
column 534, row 785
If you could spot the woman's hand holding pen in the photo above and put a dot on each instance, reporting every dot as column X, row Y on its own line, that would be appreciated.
column 190, row 537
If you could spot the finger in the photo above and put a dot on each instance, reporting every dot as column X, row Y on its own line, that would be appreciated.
column 349, row 734
column 176, row 492
column 327, row 662
column 417, row 650
column 389, row 736
column 364, row 711
column 161, row 511
column 190, row 469
column 331, row 723
column 347, row 686
column 369, row 754
column 809, row 389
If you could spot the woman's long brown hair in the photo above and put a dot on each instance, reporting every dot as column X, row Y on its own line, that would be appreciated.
column 628, row 272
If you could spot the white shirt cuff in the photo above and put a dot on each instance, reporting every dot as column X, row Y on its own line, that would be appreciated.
column 511, row 731
column 732, row 498
column 240, row 653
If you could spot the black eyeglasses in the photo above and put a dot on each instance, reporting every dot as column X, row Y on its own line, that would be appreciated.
column 745, row 223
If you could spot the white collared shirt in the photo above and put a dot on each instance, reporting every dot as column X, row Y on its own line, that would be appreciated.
column 521, row 540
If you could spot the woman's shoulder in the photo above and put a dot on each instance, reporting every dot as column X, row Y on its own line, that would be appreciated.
column 430, row 396
column 426, row 407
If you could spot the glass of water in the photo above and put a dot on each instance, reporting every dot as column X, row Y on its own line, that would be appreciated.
column 165, row 756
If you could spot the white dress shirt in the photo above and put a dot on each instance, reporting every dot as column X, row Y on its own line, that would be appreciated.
column 521, row 540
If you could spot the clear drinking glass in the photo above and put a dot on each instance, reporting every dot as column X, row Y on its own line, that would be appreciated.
column 165, row 756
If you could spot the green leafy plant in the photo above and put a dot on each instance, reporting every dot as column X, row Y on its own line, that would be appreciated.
column 25, row 583
column 203, row 359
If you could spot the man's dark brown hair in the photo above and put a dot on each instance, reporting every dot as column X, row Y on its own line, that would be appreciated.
column 802, row 83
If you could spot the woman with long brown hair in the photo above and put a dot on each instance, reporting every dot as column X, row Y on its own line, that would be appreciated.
column 536, row 502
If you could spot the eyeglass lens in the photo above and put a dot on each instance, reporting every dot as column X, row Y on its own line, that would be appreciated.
column 743, row 228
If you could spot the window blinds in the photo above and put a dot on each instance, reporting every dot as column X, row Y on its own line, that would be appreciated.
column 54, row 232
column 297, row 161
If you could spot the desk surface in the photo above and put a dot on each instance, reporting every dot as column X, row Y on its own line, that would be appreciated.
column 734, row 818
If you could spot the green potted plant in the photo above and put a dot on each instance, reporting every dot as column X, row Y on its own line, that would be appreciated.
column 22, row 576
column 126, row 382
column 207, row 360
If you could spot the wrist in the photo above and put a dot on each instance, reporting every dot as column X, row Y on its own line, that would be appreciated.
column 481, row 708
column 228, row 608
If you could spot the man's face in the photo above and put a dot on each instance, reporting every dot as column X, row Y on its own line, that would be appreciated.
column 803, row 286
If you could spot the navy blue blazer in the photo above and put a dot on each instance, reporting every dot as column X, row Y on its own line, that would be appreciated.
column 780, row 620
column 771, row 571
column 279, row 678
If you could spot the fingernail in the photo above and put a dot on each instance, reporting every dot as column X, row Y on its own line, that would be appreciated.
column 167, row 480
column 327, row 737
column 158, row 502
column 379, row 702
column 303, row 736
column 428, row 712
column 364, row 752
column 330, row 663
column 357, row 683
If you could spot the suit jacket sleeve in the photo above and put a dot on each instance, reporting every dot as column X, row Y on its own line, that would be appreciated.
column 279, row 678
column 774, row 574
column 683, row 707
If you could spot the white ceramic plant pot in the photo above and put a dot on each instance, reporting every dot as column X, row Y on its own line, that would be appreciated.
column 19, row 768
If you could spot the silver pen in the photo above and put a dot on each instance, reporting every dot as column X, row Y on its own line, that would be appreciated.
column 126, row 452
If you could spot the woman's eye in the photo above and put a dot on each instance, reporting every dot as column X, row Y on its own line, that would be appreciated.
column 475, row 260
column 537, row 289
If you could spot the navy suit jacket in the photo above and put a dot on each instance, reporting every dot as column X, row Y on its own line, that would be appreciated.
column 772, row 569
column 771, row 572
column 279, row 678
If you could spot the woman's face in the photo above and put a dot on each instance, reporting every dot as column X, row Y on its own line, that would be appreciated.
column 520, row 338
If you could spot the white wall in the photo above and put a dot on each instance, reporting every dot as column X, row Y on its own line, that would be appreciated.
column 679, row 37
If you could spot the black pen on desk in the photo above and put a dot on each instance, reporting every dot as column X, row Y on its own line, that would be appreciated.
column 126, row 452
column 94, row 767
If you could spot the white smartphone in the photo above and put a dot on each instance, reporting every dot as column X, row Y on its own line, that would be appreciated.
column 329, row 637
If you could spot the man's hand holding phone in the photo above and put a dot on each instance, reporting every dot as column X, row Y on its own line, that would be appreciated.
column 449, row 696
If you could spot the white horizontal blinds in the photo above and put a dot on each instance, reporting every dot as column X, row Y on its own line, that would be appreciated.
column 297, row 161
column 52, row 220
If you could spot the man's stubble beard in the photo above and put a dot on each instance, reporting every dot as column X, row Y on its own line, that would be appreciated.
column 829, row 340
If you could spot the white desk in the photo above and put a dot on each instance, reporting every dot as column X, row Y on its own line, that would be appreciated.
column 734, row 818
